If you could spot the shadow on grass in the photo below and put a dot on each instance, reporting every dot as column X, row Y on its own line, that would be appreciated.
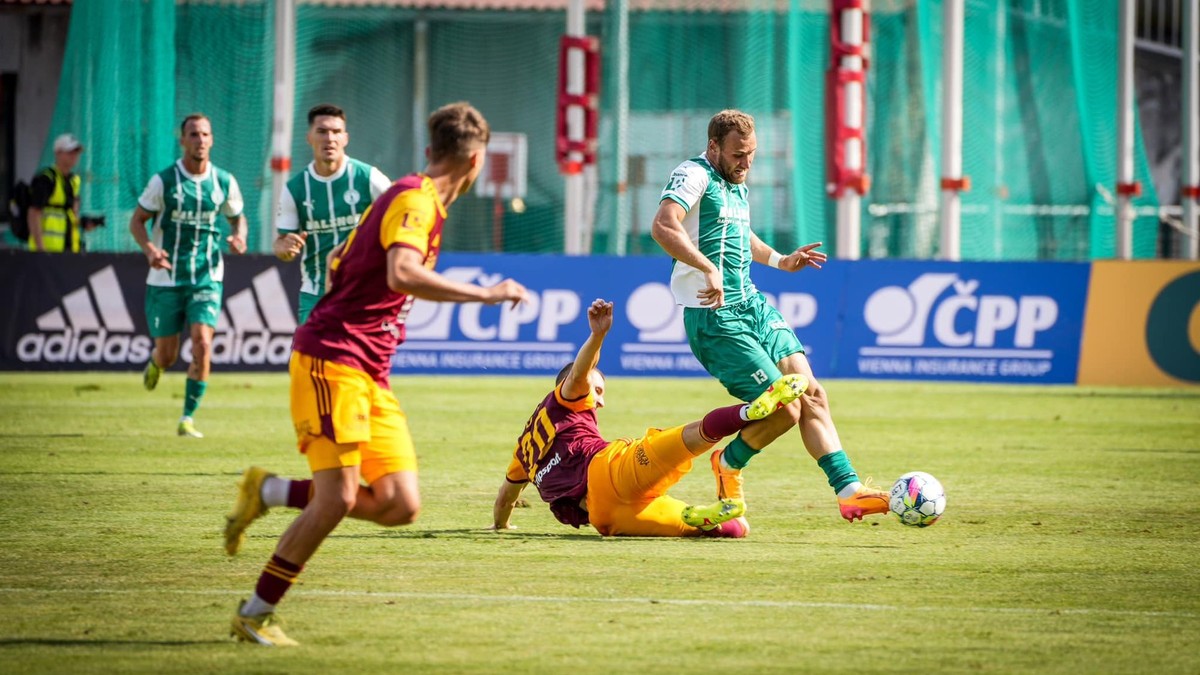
column 468, row 533
column 99, row 642
column 43, row 435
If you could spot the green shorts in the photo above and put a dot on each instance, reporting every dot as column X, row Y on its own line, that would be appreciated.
column 170, row 308
column 741, row 344
column 306, row 304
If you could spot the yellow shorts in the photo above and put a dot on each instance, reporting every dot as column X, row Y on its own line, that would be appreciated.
column 344, row 418
column 628, row 482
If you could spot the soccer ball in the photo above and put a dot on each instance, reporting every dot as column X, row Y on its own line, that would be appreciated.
column 918, row 499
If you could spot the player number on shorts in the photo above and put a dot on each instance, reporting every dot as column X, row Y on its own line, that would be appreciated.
column 539, row 434
column 759, row 376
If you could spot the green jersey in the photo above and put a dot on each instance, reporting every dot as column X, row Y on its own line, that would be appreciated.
column 185, row 209
column 327, row 208
column 718, row 223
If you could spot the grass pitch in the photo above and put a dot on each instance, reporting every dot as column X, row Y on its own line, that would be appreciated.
column 1070, row 542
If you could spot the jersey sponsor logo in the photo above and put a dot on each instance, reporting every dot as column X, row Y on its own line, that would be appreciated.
column 330, row 224
column 921, row 330
column 255, row 326
column 733, row 214
column 92, row 325
column 193, row 218
column 554, row 461
column 678, row 179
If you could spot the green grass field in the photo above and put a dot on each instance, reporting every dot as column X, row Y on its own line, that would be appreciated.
column 1071, row 541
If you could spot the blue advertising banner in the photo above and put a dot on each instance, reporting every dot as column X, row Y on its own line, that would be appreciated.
column 542, row 335
column 923, row 320
column 992, row 322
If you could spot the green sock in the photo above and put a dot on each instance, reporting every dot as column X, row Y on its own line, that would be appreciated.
column 738, row 454
column 838, row 470
column 193, row 392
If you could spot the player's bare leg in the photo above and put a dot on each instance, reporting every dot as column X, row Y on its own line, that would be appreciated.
column 197, row 380
column 390, row 501
column 820, row 437
column 334, row 495
column 699, row 437
column 393, row 499
column 163, row 356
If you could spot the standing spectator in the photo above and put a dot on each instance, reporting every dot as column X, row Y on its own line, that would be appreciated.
column 54, row 201
column 184, row 285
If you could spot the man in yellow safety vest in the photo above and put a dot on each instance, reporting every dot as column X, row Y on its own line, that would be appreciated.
column 54, row 201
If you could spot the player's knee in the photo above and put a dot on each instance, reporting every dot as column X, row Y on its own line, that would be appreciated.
column 201, row 348
column 816, row 401
column 165, row 357
column 400, row 514
column 338, row 504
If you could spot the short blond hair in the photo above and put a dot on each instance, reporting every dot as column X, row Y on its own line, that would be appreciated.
column 456, row 130
column 729, row 120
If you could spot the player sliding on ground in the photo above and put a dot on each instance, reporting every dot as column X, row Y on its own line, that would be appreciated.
column 620, row 487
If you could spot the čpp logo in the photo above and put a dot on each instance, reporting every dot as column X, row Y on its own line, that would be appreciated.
column 901, row 317
column 652, row 310
column 547, row 310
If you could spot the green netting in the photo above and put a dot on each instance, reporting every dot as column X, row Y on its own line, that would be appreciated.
column 120, row 101
column 1039, row 112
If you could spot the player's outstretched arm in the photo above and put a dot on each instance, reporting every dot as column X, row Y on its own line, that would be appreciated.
column 407, row 274
column 576, row 384
column 503, row 508
column 805, row 256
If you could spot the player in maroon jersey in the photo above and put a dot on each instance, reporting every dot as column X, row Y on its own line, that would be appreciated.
column 620, row 488
column 347, row 421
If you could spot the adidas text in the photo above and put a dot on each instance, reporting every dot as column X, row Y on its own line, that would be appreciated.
column 70, row 346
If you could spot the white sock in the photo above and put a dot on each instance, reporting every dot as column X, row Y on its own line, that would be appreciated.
column 724, row 464
column 255, row 606
column 744, row 413
column 185, row 418
column 275, row 491
column 849, row 490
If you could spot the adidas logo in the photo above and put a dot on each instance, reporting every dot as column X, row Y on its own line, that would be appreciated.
column 96, row 328
column 255, row 327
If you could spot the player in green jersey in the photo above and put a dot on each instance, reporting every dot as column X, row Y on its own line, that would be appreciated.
column 322, row 204
column 703, row 222
column 183, row 247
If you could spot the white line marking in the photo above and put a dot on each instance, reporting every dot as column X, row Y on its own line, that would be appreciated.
column 776, row 604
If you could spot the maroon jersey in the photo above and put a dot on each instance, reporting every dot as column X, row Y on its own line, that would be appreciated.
column 554, row 451
column 360, row 322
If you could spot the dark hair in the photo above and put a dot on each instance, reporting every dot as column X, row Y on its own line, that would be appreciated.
column 562, row 374
column 325, row 110
column 729, row 120
column 456, row 130
column 189, row 118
